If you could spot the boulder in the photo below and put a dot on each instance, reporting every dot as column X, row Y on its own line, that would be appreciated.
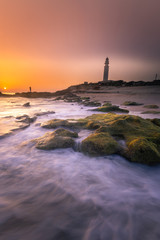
column 26, row 104
column 44, row 113
column 131, row 129
column 153, row 106
column 108, row 107
column 129, row 103
column 150, row 112
column 91, row 103
column 54, row 123
column 141, row 136
column 156, row 121
column 66, row 133
column 99, row 144
column 60, row 138
column 143, row 151
column 26, row 119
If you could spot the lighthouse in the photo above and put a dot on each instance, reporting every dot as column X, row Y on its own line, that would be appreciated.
column 106, row 70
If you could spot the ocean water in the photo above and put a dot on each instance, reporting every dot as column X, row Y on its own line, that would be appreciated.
column 63, row 194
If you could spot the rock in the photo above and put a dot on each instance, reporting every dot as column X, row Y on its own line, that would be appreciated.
column 108, row 107
column 143, row 151
column 58, row 98
column 137, row 133
column 44, row 113
column 151, row 112
column 123, row 127
column 91, row 104
column 66, row 133
column 151, row 106
column 60, row 138
column 54, row 123
column 99, row 144
column 156, row 121
column 85, row 98
column 26, row 119
column 129, row 103
column 71, row 124
column 26, row 104
column 71, row 97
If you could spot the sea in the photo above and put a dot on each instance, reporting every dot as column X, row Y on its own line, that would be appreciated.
column 66, row 195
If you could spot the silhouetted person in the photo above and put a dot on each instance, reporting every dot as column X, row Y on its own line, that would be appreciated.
column 30, row 89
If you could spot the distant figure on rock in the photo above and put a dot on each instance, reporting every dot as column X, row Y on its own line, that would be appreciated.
column 30, row 89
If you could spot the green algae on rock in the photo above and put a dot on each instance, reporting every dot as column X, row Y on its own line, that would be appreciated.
column 60, row 138
column 128, row 128
column 99, row 143
column 151, row 112
column 130, row 103
column 156, row 121
column 54, row 123
column 143, row 151
column 140, row 135
column 151, row 106
column 108, row 107
column 66, row 133
column 91, row 104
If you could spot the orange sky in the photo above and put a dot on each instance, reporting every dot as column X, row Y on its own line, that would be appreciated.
column 52, row 44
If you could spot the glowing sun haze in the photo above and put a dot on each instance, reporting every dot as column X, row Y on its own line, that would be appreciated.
column 52, row 44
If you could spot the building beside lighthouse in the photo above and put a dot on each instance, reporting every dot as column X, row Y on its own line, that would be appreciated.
column 106, row 70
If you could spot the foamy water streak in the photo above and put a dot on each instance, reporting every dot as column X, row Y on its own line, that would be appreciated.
column 66, row 195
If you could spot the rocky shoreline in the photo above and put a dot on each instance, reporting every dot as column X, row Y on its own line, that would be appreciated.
column 132, row 137
column 113, row 132
column 82, row 88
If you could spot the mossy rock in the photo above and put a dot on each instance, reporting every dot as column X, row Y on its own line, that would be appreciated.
column 128, row 128
column 60, row 138
column 26, row 119
column 138, row 134
column 54, row 123
column 91, row 104
column 71, row 124
column 99, row 144
column 130, row 103
column 108, row 107
column 143, row 151
column 156, row 121
column 65, row 133
column 151, row 112
column 153, row 106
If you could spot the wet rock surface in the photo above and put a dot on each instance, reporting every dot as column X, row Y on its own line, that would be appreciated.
column 26, row 104
column 99, row 143
column 141, row 136
column 44, row 113
column 151, row 106
column 130, row 103
column 60, row 138
column 151, row 112
column 108, row 107
column 26, row 119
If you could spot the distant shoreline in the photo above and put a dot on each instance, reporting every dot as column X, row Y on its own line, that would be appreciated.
column 84, row 88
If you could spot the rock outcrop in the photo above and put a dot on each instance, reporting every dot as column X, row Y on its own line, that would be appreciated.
column 60, row 138
column 130, row 103
column 108, row 107
column 141, row 136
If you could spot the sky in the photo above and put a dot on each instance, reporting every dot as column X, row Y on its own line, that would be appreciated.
column 52, row 44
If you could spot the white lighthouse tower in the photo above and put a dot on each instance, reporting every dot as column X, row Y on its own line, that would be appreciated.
column 106, row 70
